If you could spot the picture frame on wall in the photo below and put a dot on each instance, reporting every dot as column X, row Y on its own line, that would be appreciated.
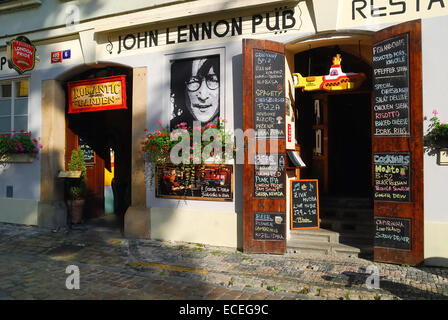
column 196, row 88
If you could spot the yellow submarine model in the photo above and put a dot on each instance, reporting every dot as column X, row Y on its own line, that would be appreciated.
column 336, row 80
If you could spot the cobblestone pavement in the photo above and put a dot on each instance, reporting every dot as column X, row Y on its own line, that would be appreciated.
column 33, row 264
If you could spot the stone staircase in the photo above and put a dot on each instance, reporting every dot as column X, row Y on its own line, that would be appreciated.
column 346, row 227
column 318, row 241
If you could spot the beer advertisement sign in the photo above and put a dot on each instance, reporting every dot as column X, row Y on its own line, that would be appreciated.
column 108, row 93
column 21, row 54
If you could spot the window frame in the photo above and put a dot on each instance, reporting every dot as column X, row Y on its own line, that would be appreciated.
column 13, row 99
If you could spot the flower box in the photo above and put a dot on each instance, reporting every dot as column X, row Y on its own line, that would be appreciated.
column 18, row 158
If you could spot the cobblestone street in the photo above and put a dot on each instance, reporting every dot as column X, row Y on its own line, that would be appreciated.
column 33, row 264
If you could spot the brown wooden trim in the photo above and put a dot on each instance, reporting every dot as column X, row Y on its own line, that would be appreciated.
column 412, row 144
column 252, row 205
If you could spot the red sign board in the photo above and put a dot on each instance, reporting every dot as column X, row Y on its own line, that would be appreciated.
column 21, row 54
column 108, row 93
column 56, row 57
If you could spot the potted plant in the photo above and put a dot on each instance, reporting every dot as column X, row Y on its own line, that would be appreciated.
column 18, row 147
column 159, row 144
column 437, row 136
column 77, row 187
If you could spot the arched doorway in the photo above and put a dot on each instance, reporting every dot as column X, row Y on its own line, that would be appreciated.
column 333, row 129
column 106, row 138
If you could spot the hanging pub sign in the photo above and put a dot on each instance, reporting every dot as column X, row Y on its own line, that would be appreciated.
column 108, row 93
column 21, row 54
column 336, row 80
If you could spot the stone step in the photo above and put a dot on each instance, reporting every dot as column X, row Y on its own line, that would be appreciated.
column 321, row 235
column 304, row 246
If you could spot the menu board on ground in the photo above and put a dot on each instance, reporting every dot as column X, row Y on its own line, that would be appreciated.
column 89, row 154
column 392, row 180
column 205, row 182
column 269, row 94
column 391, row 87
column 269, row 176
column 269, row 226
column 304, row 204
column 393, row 233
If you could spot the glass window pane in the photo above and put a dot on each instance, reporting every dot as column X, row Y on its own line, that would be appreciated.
column 5, row 124
column 20, row 123
column 5, row 91
column 5, row 107
column 21, row 88
column 21, row 106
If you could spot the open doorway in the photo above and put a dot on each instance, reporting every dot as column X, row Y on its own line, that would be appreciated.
column 334, row 133
column 106, row 139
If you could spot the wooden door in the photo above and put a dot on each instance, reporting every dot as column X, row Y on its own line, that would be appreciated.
column 264, row 212
column 94, row 170
column 397, row 144
column 320, row 127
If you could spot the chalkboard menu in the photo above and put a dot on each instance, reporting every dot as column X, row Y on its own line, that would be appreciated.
column 269, row 176
column 304, row 204
column 392, row 177
column 269, row 226
column 393, row 233
column 205, row 182
column 391, row 87
column 89, row 154
column 269, row 94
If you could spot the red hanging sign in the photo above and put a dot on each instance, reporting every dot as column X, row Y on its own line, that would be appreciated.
column 108, row 93
column 21, row 54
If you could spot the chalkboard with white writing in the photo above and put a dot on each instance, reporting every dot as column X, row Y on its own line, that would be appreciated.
column 392, row 180
column 269, row 176
column 269, row 226
column 89, row 154
column 391, row 87
column 304, row 204
column 393, row 233
column 269, row 94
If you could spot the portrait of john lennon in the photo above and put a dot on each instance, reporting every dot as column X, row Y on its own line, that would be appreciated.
column 195, row 91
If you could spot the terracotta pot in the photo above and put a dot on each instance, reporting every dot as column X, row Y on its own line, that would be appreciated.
column 75, row 210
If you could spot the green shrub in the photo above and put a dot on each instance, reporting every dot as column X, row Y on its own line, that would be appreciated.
column 78, row 187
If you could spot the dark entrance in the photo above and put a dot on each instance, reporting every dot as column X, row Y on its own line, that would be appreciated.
column 349, row 145
column 103, row 133
column 334, row 132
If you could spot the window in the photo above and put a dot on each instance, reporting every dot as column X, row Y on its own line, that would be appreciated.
column 13, row 105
